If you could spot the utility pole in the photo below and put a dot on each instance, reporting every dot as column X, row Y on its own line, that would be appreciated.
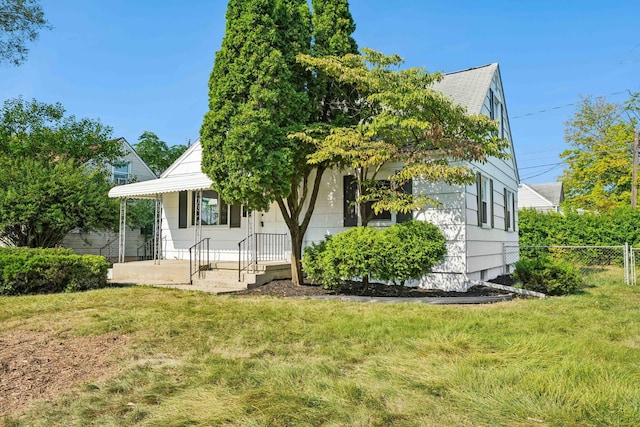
column 634, row 173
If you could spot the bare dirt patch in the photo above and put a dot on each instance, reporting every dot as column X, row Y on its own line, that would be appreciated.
column 41, row 365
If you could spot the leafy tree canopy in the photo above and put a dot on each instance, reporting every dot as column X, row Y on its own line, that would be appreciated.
column 46, row 186
column 599, row 164
column 255, row 98
column 41, row 201
column 42, row 131
column 20, row 21
column 156, row 153
column 400, row 119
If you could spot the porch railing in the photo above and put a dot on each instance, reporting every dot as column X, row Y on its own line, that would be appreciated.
column 261, row 247
column 199, row 258
column 145, row 251
column 107, row 250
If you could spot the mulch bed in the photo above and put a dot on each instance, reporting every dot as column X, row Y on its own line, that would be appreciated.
column 286, row 288
column 38, row 365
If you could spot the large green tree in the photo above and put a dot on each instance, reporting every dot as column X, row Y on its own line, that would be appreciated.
column 405, row 130
column 46, row 185
column 156, row 153
column 258, row 94
column 20, row 21
column 599, row 164
column 41, row 201
column 43, row 131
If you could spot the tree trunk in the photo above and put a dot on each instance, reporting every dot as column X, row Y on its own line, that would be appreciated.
column 296, row 258
column 291, row 209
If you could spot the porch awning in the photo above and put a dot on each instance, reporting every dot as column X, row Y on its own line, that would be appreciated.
column 170, row 184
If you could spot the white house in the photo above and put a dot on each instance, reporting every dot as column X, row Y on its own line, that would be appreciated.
column 541, row 197
column 129, row 168
column 477, row 220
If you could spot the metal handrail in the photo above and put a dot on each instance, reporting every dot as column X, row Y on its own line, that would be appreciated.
column 108, row 248
column 196, row 258
column 261, row 247
column 147, row 248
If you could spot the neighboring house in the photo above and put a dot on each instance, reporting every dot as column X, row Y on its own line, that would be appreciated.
column 477, row 220
column 130, row 168
column 541, row 197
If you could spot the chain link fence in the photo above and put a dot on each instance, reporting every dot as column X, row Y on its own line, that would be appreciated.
column 592, row 262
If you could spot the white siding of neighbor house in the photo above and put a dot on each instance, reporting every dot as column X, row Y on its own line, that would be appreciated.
column 91, row 242
column 529, row 198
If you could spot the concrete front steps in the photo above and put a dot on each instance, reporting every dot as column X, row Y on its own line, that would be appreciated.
column 222, row 277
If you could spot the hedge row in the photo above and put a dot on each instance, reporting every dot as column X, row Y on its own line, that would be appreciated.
column 573, row 229
column 42, row 271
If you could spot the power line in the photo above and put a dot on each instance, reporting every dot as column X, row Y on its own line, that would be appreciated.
column 559, row 107
column 543, row 172
column 538, row 166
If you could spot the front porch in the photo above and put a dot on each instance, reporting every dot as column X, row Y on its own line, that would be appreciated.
column 218, row 277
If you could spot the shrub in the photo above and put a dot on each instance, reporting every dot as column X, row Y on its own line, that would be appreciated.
column 551, row 277
column 396, row 254
column 37, row 271
column 350, row 255
column 410, row 250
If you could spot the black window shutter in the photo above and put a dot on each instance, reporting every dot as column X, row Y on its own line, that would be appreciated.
column 491, row 202
column 491, row 102
column 350, row 216
column 479, row 197
column 404, row 217
column 182, row 209
column 235, row 215
column 506, row 210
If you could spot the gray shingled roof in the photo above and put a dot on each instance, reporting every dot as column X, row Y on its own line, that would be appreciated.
column 468, row 88
column 552, row 191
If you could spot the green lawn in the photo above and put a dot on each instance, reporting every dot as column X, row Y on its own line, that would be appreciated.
column 201, row 360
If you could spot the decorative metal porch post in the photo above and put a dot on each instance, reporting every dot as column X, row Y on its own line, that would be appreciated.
column 122, row 229
column 198, row 222
column 157, row 235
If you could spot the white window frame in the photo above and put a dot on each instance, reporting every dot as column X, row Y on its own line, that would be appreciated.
column 118, row 174
column 203, row 210
column 510, row 216
column 485, row 201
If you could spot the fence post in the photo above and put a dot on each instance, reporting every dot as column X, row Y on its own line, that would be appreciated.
column 626, row 264
column 504, row 258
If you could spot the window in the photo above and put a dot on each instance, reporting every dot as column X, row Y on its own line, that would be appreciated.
column 350, row 213
column 484, row 188
column 213, row 211
column 368, row 207
column 509, row 210
column 496, row 112
column 121, row 174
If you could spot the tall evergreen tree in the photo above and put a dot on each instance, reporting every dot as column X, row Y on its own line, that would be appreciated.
column 254, row 99
column 259, row 94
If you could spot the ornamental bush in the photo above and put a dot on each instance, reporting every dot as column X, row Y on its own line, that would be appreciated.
column 549, row 276
column 42, row 271
column 395, row 254
column 409, row 251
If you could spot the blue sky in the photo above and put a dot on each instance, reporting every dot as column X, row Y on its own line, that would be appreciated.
column 144, row 65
